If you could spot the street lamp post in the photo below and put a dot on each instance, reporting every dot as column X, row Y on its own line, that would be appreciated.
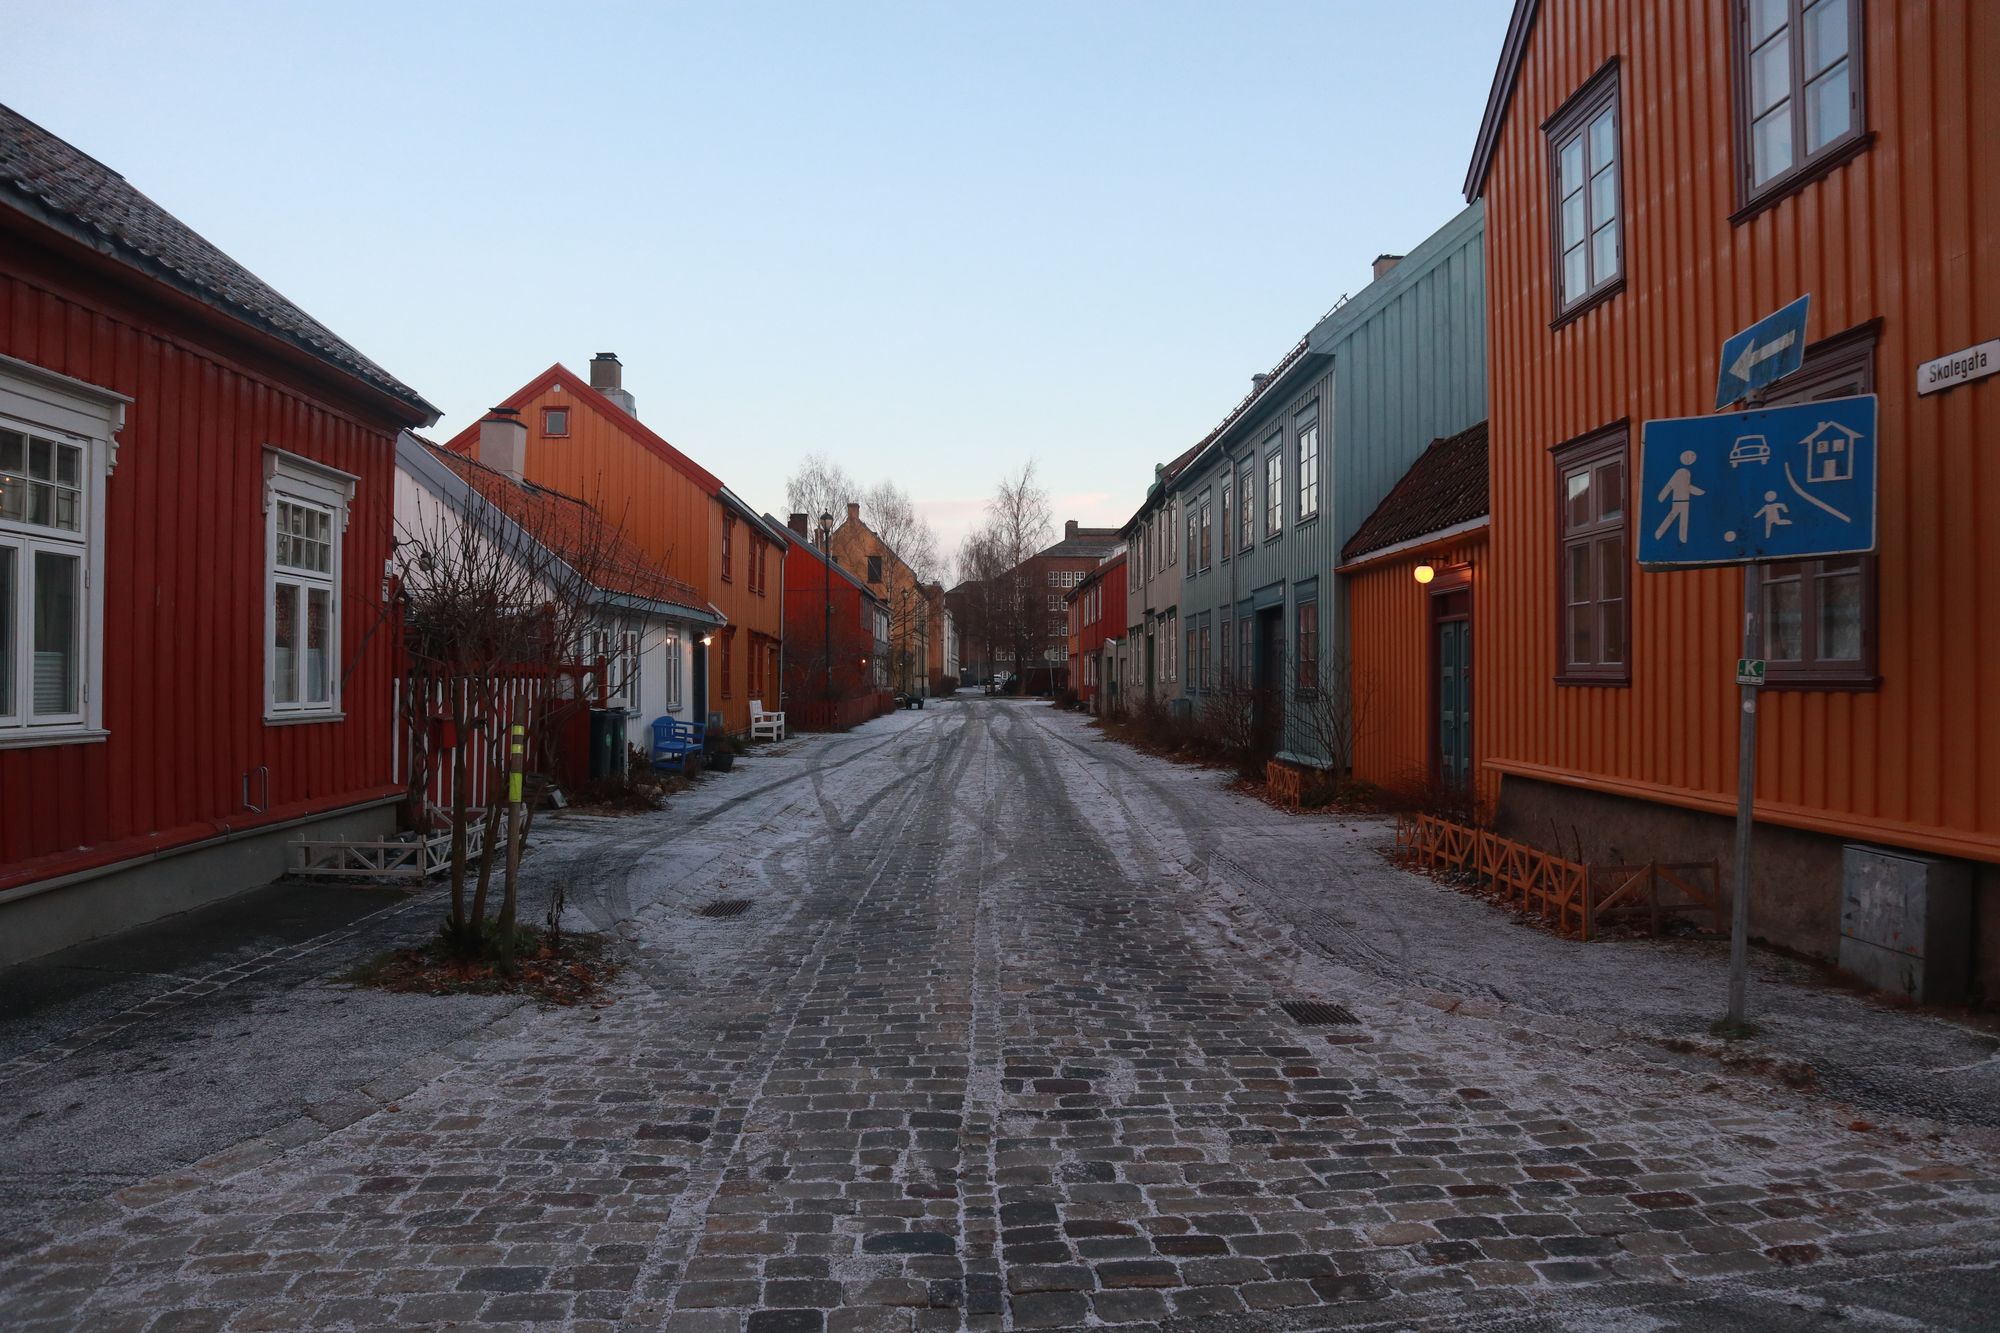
column 826, row 570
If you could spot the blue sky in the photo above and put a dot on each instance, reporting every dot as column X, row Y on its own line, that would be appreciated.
column 932, row 241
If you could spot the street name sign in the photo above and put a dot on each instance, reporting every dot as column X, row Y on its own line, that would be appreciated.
column 1762, row 354
column 1947, row 372
column 1779, row 483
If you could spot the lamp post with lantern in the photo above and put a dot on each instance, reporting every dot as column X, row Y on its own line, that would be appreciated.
column 826, row 570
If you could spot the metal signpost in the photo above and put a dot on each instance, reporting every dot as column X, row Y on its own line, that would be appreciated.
column 1743, row 488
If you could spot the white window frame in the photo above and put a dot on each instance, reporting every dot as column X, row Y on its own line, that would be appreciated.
column 672, row 658
column 35, row 401
column 1306, row 448
column 1274, row 486
column 298, row 480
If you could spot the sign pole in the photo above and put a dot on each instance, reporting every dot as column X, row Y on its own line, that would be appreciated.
column 1746, row 790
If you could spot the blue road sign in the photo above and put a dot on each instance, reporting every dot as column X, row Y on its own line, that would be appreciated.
column 1782, row 483
column 1767, row 351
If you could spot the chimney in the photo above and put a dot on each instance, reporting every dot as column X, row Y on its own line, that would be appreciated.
column 607, row 376
column 1258, row 381
column 503, row 441
column 1069, row 529
column 1383, row 263
column 797, row 523
column 853, row 512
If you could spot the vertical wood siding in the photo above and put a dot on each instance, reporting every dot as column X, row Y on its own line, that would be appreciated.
column 183, row 676
column 671, row 517
column 1389, row 626
column 1907, row 233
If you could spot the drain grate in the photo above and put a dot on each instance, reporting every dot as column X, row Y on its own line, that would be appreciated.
column 1317, row 1013
column 726, row 907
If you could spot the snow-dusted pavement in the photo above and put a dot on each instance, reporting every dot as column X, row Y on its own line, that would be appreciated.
column 998, row 1044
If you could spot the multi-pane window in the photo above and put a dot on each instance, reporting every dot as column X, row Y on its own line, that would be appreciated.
column 1193, row 541
column 1207, row 533
column 728, row 645
column 1591, row 493
column 728, row 545
column 1306, row 430
column 1227, row 496
column 1245, row 658
column 1173, row 530
column 1308, row 648
column 1274, row 490
column 1583, row 179
column 1246, row 511
column 1204, row 667
column 305, row 507
column 43, row 555
column 1193, row 660
column 671, row 658
column 1170, row 645
column 1227, row 638
column 1819, row 615
column 1798, row 88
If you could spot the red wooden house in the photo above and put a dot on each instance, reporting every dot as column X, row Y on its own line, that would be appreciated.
column 1096, row 620
column 831, row 616
column 195, row 510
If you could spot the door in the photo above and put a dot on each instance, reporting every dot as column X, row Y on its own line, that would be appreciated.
column 1267, row 695
column 1453, row 655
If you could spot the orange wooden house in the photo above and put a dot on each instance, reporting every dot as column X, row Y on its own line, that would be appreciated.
column 1659, row 175
column 585, row 438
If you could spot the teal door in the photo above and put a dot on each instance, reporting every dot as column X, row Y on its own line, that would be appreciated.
column 1454, row 698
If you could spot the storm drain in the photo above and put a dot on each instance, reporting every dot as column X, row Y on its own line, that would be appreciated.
column 726, row 907
column 1317, row 1013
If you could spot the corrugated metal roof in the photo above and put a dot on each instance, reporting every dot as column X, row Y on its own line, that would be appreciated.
column 52, row 180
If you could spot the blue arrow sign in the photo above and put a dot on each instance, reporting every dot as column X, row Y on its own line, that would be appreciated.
column 1767, row 351
column 1783, row 483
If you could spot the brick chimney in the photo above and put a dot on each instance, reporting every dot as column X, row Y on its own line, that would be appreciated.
column 853, row 512
column 503, row 441
column 797, row 523
column 1383, row 263
column 607, row 376
column 1069, row 529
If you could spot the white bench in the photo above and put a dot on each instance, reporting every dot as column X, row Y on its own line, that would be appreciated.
column 763, row 725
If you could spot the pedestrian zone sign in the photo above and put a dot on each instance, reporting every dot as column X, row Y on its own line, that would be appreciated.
column 1781, row 483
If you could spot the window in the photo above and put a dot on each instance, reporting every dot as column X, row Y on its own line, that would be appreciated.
column 1584, row 194
column 1227, row 638
column 1227, row 493
column 1170, row 643
column 1798, row 92
column 1207, row 525
column 728, row 544
column 1055, row 602
column 1193, row 662
column 671, row 660
column 728, row 644
column 1591, row 495
column 1204, row 667
column 1193, row 542
column 1274, row 489
column 1245, row 660
column 1054, row 580
column 1306, row 427
column 875, row 569
column 56, row 449
column 1173, row 530
column 555, row 421
column 305, row 508
column 1246, row 527
column 1307, row 658
column 1819, row 615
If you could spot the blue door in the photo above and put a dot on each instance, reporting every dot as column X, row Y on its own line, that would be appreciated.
column 1454, row 699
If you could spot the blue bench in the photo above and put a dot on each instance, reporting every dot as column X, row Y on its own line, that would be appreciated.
column 677, row 744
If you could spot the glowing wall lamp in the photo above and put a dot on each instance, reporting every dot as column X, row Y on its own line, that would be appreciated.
column 1425, row 573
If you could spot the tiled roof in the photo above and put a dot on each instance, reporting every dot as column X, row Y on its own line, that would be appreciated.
column 1445, row 487
column 1086, row 542
column 49, row 179
column 574, row 531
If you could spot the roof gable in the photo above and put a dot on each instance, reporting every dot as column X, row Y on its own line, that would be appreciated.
column 1444, row 488
column 56, row 183
column 1513, row 50
column 598, row 404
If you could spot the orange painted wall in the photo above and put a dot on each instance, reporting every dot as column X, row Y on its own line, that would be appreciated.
column 669, row 513
column 1389, row 628
column 1908, row 232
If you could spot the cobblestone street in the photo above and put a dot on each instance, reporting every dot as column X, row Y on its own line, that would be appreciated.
column 989, row 1050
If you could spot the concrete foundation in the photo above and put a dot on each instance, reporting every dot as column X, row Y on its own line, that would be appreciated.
column 1797, row 899
column 37, row 921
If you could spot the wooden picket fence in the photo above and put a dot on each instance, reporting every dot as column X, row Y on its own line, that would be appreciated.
column 1567, row 895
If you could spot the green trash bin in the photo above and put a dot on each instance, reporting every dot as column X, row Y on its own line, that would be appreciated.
column 607, row 743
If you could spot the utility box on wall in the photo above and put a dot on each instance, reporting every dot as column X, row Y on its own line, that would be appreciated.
column 1906, row 923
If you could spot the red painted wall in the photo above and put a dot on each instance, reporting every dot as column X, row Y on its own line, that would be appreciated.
column 806, row 597
column 183, row 680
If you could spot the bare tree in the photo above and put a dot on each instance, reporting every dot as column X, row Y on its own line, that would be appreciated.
column 820, row 486
column 892, row 516
column 1019, row 519
column 1332, row 713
